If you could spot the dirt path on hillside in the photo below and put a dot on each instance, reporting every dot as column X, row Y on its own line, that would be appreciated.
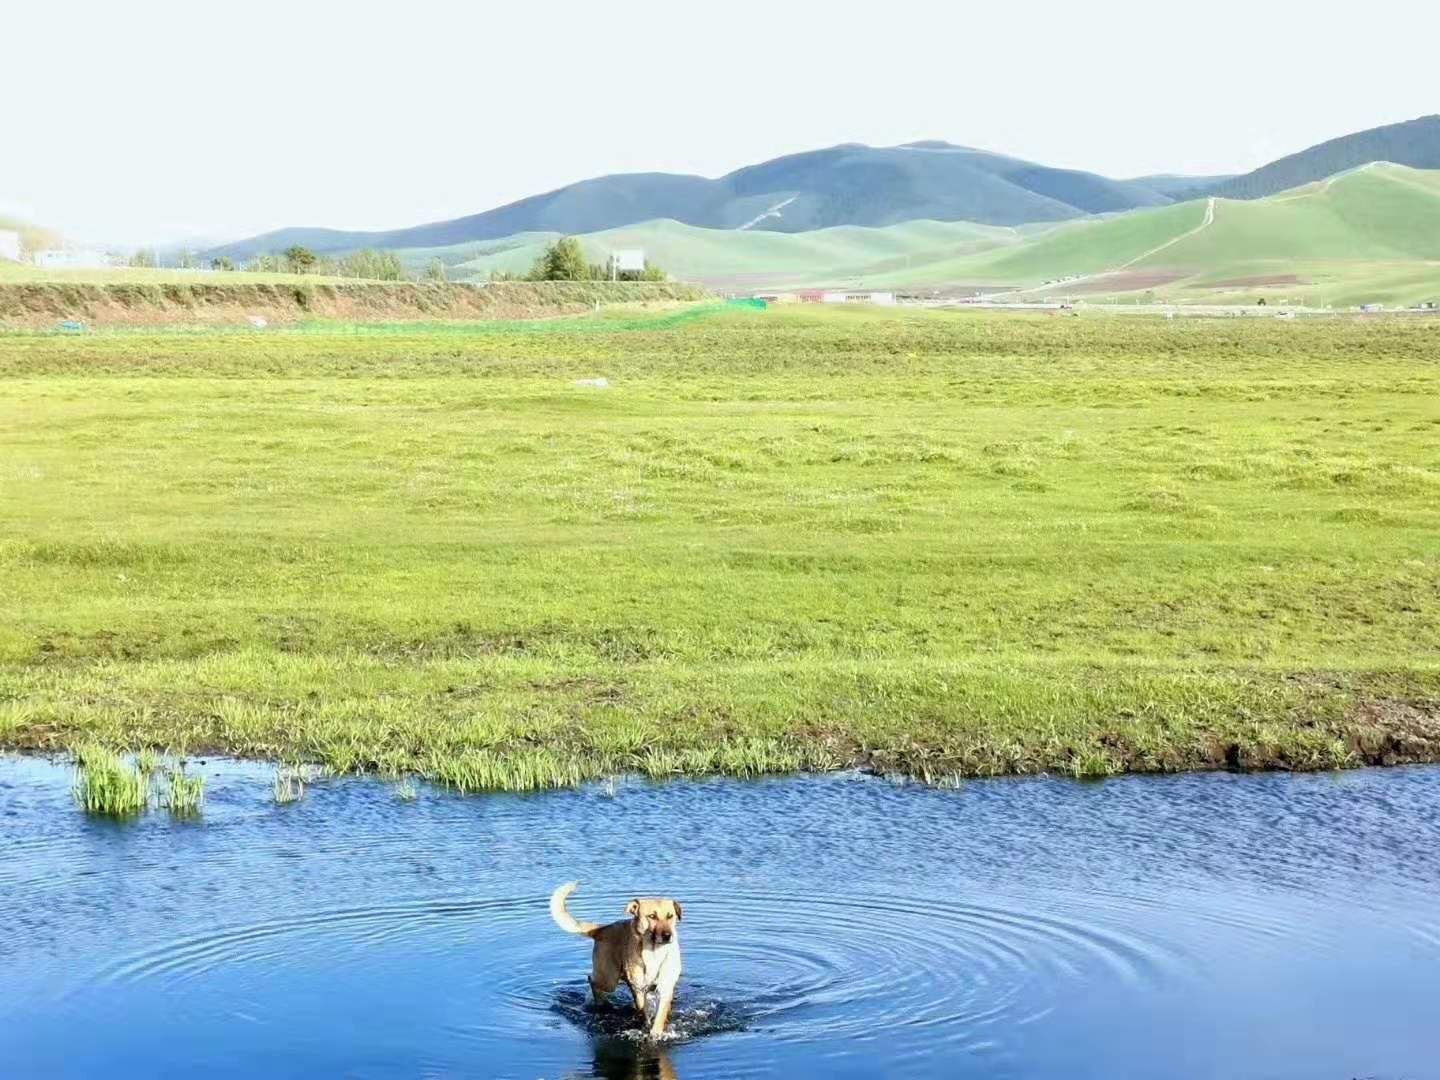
column 1331, row 181
column 1209, row 220
column 1084, row 279
column 774, row 211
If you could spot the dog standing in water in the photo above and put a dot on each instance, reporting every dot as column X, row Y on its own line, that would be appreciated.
column 642, row 951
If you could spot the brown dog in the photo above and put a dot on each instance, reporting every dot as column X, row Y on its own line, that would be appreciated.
column 642, row 951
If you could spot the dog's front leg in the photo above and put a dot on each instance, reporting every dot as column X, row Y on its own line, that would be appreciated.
column 665, row 997
column 639, row 996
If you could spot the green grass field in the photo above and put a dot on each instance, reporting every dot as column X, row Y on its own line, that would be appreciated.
column 932, row 542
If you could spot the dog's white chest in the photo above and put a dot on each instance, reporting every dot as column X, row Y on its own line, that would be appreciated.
column 655, row 961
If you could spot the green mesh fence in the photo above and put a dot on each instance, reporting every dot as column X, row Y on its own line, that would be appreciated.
column 581, row 324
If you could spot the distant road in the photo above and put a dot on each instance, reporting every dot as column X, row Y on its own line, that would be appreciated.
column 1329, row 181
column 1209, row 220
column 1060, row 286
column 774, row 211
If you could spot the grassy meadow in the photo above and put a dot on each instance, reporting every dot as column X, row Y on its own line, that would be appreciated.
column 939, row 543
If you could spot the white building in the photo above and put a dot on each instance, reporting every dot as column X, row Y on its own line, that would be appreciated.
column 9, row 245
column 64, row 259
column 626, row 260
column 884, row 299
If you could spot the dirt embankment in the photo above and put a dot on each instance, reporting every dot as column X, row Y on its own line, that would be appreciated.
column 43, row 306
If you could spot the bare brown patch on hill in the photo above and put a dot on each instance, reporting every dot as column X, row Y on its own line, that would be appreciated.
column 1258, row 282
column 1121, row 281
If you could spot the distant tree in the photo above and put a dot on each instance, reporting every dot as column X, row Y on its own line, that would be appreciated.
column 264, row 264
column 371, row 265
column 185, row 260
column 435, row 272
column 222, row 262
column 561, row 261
column 144, row 259
column 299, row 260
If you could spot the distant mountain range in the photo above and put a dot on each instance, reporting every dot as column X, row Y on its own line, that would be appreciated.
column 1368, row 234
column 866, row 186
column 841, row 185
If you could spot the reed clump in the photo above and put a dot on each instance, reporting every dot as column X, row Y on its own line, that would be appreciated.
column 108, row 785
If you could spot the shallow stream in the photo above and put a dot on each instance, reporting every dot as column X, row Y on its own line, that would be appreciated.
column 1196, row 926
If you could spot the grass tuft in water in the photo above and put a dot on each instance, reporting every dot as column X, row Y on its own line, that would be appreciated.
column 406, row 790
column 186, row 794
column 107, row 785
column 289, row 784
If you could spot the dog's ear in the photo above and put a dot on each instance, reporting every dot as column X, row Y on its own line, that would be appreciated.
column 632, row 908
column 679, row 912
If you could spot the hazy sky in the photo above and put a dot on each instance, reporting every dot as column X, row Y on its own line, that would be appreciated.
column 137, row 121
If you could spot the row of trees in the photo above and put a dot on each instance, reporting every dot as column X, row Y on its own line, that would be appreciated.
column 368, row 264
column 564, row 260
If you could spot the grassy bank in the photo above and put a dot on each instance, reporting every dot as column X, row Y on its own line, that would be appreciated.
column 940, row 543
column 220, row 300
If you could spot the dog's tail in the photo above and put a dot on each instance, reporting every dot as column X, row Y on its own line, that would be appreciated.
column 563, row 918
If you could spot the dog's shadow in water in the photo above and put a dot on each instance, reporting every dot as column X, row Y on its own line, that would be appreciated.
column 632, row 1059
column 621, row 1047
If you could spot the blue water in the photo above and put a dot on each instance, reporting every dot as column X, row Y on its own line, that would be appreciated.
column 1199, row 926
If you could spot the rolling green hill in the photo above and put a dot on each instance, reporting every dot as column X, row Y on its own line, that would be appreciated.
column 1369, row 234
column 731, row 258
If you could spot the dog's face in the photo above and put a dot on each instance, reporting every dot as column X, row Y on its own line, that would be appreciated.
column 656, row 919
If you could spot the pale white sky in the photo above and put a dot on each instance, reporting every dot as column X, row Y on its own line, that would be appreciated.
column 146, row 121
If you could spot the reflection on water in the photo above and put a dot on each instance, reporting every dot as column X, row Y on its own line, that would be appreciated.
column 626, row 1060
column 1218, row 925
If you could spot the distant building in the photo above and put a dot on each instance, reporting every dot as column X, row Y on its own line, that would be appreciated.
column 67, row 259
column 1372, row 307
column 628, row 259
column 816, row 296
column 777, row 297
column 9, row 245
